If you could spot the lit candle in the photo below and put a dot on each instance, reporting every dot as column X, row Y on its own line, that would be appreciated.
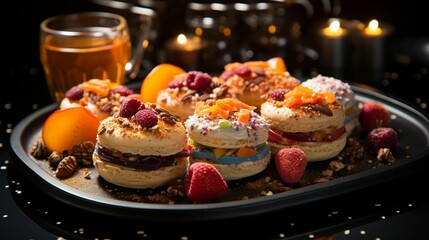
column 184, row 51
column 371, row 44
column 373, row 29
column 332, row 49
column 374, row 41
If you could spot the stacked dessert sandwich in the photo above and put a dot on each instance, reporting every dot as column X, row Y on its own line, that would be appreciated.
column 344, row 94
column 231, row 136
column 141, row 146
column 312, row 121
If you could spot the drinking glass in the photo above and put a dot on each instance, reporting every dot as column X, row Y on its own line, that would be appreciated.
column 78, row 47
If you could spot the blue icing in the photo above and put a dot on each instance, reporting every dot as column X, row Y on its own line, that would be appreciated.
column 231, row 159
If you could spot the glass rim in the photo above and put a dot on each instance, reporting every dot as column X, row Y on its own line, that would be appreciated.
column 120, row 26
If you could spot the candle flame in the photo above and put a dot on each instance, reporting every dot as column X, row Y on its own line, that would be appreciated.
column 334, row 29
column 373, row 28
column 181, row 39
column 373, row 24
column 334, row 26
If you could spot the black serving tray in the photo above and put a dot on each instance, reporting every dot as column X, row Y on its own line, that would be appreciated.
column 97, row 195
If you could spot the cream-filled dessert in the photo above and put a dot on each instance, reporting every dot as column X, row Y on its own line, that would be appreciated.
column 141, row 146
column 231, row 136
column 312, row 121
column 343, row 93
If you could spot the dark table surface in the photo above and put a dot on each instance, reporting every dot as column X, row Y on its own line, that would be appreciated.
column 396, row 209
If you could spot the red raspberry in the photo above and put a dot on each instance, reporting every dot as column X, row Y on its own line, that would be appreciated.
column 176, row 83
column 129, row 107
column 291, row 164
column 75, row 93
column 198, row 80
column 243, row 71
column 372, row 115
column 382, row 137
column 226, row 74
column 122, row 90
column 204, row 183
column 278, row 94
column 142, row 106
column 146, row 118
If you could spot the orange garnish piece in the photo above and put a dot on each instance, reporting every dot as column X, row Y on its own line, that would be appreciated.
column 243, row 115
column 278, row 64
column 219, row 112
column 303, row 95
column 157, row 80
column 245, row 152
column 237, row 104
column 222, row 108
column 214, row 111
column 98, row 86
column 226, row 104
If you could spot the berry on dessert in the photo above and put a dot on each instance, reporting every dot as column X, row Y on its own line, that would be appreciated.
column 203, row 182
column 343, row 93
column 312, row 121
column 382, row 137
column 101, row 97
column 141, row 146
column 182, row 93
column 129, row 107
column 290, row 164
column 248, row 81
column 372, row 115
column 231, row 136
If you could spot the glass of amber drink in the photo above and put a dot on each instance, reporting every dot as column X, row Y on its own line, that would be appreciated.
column 78, row 47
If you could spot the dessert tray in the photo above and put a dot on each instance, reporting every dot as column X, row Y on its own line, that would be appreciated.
column 243, row 199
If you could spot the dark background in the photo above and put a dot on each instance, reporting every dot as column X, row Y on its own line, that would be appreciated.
column 25, row 79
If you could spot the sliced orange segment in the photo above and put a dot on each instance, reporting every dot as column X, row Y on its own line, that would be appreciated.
column 157, row 80
column 65, row 128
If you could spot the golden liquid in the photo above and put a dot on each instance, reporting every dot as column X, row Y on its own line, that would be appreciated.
column 68, row 62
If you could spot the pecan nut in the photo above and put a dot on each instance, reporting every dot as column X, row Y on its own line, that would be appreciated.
column 38, row 149
column 66, row 167
column 83, row 153
column 54, row 158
